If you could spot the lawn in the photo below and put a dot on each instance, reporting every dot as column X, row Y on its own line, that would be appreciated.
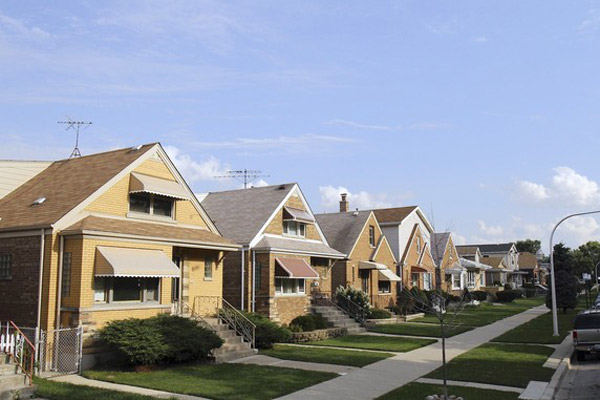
column 367, row 342
column 421, row 390
column 65, row 391
column 222, row 381
column 500, row 364
column 417, row 329
column 324, row 355
column 540, row 330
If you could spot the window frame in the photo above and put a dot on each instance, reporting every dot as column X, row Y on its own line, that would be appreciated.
column 109, row 291
column 298, row 286
column 67, row 268
column 387, row 290
column 414, row 279
column 208, row 268
column 371, row 236
column 299, row 229
column 454, row 287
column 6, row 265
column 471, row 283
column 150, row 212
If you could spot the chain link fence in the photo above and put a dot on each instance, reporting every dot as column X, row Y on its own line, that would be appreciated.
column 60, row 350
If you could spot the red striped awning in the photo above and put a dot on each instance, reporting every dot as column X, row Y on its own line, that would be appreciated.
column 294, row 268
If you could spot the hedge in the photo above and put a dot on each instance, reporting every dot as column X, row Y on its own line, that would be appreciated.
column 308, row 323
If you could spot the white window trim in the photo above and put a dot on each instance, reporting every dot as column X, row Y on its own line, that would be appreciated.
column 298, row 224
column 296, row 293
column 150, row 214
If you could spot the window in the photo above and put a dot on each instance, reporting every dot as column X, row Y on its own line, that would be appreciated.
column 293, row 228
column 418, row 245
column 175, row 281
column 371, row 235
column 364, row 278
column 127, row 290
column 208, row 268
column 471, row 279
column 100, row 290
column 414, row 279
column 152, row 204
column 385, row 287
column 5, row 266
column 456, row 281
column 257, row 276
column 289, row 286
column 66, row 275
column 427, row 281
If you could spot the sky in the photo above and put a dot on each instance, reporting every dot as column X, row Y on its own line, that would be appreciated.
column 485, row 114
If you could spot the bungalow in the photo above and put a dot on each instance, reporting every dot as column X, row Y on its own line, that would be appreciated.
column 449, row 274
column 409, row 235
column 284, row 254
column 89, row 240
column 498, row 274
column 528, row 263
column 369, row 264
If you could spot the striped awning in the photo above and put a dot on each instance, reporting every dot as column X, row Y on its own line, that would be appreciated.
column 140, row 183
column 295, row 268
column 388, row 275
column 124, row 262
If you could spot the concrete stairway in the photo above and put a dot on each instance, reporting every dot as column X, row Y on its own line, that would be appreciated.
column 13, row 383
column 234, row 347
column 338, row 319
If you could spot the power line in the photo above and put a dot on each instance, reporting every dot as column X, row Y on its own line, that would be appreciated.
column 75, row 125
column 246, row 176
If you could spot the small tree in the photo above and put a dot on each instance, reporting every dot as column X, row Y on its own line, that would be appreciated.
column 566, row 291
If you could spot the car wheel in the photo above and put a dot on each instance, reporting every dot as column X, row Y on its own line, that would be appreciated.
column 581, row 356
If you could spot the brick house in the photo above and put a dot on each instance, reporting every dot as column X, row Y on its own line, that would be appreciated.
column 284, row 254
column 409, row 235
column 369, row 264
column 450, row 275
column 104, row 237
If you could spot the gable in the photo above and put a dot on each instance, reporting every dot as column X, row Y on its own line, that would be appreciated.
column 383, row 254
column 362, row 249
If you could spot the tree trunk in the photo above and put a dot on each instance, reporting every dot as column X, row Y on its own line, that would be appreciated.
column 444, row 359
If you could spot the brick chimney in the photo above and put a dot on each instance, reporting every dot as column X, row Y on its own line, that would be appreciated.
column 344, row 205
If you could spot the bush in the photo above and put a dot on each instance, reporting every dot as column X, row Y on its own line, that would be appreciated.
column 479, row 295
column 507, row 286
column 508, row 296
column 355, row 295
column 377, row 313
column 160, row 339
column 268, row 332
column 308, row 323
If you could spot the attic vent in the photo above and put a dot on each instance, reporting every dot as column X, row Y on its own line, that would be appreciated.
column 281, row 187
column 137, row 148
column 38, row 201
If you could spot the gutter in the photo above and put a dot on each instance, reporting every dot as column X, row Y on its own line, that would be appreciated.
column 40, row 283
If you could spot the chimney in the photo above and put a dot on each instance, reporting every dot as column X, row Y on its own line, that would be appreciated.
column 344, row 203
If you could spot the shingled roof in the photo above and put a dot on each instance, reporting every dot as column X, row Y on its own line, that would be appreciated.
column 342, row 230
column 64, row 184
column 397, row 214
column 240, row 214
column 494, row 247
column 527, row 260
column 439, row 242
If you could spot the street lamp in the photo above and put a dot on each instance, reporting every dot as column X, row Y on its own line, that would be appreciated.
column 597, row 280
column 553, row 280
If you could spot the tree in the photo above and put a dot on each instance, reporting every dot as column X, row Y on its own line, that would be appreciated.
column 586, row 257
column 530, row 245
column 563, row 258
column 566, row 291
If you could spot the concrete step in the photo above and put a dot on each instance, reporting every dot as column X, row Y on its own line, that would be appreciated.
column 19, row 392
column 234, row 356
column 9, row 382
column 8, row 369
column 232, row 347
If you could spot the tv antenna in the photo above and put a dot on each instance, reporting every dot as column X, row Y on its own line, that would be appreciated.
column 75, row 125
column 246, row 176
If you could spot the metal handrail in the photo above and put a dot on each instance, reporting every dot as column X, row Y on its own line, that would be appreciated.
column 20, row 351
column 184, row 310
column 347, row 306
column 229, row 315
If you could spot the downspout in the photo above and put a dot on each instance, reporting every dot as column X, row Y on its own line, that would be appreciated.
column 242, row 282
column 61, row 252
column 253, row 278
column 40, row 283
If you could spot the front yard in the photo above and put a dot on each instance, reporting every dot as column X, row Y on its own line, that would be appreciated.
column 367, row 342
column 325, row 355
column 417, row 329
column 65, row 391
column 539, row 330
column 500, row 364
column 222, row 381
column 422, row 390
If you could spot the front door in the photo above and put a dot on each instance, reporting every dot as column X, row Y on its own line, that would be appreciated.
column 364, row 280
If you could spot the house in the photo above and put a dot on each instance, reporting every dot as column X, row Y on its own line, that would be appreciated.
column 475, row 277
column 408, row 233
column 369, row 264
column 449, row 274
column 498, row 274
column 528, row 263
column 284, row 255
column 104, row 237
column 510, row 255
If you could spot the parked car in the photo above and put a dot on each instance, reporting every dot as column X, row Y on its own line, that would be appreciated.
column 586, row 333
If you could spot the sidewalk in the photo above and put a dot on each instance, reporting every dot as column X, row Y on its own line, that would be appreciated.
column 308, row 366
column 384, row 376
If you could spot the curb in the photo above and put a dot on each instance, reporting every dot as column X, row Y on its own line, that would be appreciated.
column 563, row 367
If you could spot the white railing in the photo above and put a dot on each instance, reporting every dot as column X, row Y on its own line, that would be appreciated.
column 14, row 343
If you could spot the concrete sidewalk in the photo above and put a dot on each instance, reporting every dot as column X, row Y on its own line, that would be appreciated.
column 307, row 366
column 384, row 376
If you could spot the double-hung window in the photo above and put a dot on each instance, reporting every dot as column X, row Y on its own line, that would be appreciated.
column 286, row 286
column 208, row 268
column 5, row 266
column 371, row 235
column 427, row 284
column 470, row 279
column 456, row 281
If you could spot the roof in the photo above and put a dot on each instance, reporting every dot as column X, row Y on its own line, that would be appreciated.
column 240, row 214
column 65, row 184
column 494, row 248
column 439, row 242
column 397, row 214
column 298, row 246
column 495, row 262
column 149, row 230
column 14, row 173
column 466, row 250
column 527, row 260
column 342, row 230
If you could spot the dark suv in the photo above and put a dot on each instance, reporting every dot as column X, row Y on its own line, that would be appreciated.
column 586, row 333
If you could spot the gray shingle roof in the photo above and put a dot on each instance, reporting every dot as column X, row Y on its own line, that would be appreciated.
column 494, row 248
column 342, row 229
column 239, row 214
column 297, row 246
column 439, row 241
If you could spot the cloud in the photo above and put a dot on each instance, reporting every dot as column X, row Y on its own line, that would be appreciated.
column 566, row 187
column 16, row 27
column 330, row 198
column 493, row 231
column 581, row 229
column 290, row 143
column 458, row 239
column 480, row 39
column 194, row 171
column 591, row 24
column 362, row 126
column 428, row 125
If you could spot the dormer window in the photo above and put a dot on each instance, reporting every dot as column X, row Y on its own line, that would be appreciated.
column 151, row 204
column 294, row 228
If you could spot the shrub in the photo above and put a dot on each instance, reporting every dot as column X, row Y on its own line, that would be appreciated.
column 497, row 283
column 308, row 323
column 479, row 295
column 268, row 332
column 508, row 296
column 377, row 313
column 355, row 295
column 160, row 339
column 507, row 286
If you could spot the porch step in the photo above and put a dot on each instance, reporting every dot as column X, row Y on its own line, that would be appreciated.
column 234, row 346
column 8, row 369
column 338, row 319
column 19, row 392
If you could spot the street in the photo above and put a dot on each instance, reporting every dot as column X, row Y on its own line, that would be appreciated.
column 582, row 381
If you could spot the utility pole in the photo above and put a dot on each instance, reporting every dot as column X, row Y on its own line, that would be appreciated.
column 246, row 176
column 75, row 125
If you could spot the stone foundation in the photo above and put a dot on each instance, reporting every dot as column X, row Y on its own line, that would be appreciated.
column 319, row 334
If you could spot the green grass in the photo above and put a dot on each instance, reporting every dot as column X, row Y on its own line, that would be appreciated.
column 417, row 329
column 324, row 355
column 500, row 364
column 421, row 390
column 65, row 391
column 222, row 381
column 540, row 330
column 367, row 342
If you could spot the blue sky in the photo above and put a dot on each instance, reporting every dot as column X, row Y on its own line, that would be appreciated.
column 486, row 114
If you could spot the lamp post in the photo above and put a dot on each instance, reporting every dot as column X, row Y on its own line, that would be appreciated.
column 552, row 278
column 597, row 265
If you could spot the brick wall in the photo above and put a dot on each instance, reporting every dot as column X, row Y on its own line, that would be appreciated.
column 19, row 295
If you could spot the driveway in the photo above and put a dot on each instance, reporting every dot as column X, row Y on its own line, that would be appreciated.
column 582, row 380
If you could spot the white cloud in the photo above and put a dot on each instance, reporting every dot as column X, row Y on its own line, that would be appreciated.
column 492, row 231
column 362, row 126
column 480, row 39
column 458, row 239
column 194, row 171
column 530, row 191
column 581, row 229
column 306, row 141
column 428, row 125
column 330, row 198
column 591, row 24
column 19, row 28
column 260, row 183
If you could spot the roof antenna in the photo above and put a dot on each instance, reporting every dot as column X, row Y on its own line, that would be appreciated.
column 75, row 125
column 246, row 176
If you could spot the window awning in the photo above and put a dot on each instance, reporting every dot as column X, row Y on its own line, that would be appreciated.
column 140, row 183
column 296, row 214
column 122, row 262
column 387, row 275
column 417, row 270
column 370, row 265
column 295, row 268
